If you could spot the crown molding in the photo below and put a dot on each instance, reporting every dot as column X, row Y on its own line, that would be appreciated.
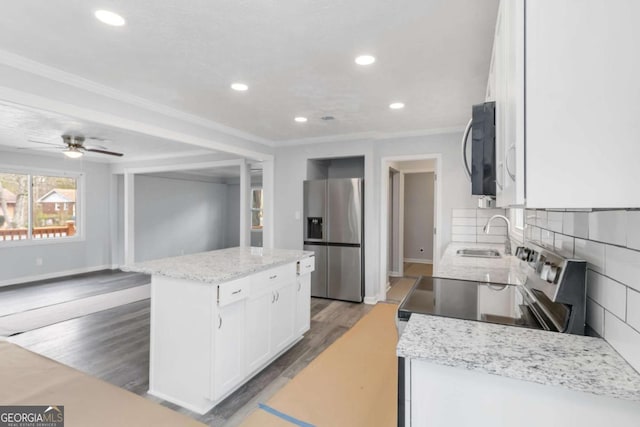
column 368, row 136
column 33, row 67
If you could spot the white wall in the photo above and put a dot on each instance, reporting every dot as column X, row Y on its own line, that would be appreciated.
column 18, row 262
column 290, row 172
column 177, row 216
column 418, row 216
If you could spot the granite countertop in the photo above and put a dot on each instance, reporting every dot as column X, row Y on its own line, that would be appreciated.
column 503, row 270
column 219, row 266
column 579, row 363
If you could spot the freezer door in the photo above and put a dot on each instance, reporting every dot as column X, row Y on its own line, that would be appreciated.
column 345, row 211
column 345, row 273
column 319, row 275
column 315, row 210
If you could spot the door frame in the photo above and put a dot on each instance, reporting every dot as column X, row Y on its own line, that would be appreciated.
column 385, row 166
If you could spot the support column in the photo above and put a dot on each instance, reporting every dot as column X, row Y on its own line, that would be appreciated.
column 268, row 184
column 129, row 218
column 245, row 203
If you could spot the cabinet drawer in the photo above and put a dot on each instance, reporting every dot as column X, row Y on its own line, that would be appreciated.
column 306, row 265
column 273, row 276
column 233, row 291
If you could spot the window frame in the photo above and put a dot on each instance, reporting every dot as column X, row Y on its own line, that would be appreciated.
column 80, row 204
column 252, row 209
column 516, row 231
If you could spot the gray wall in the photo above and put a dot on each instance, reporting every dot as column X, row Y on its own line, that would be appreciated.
column 233, row 216
column 418, row 216
column 290, row 172
column 346, row 167
column 175, row 216
column 18, row 262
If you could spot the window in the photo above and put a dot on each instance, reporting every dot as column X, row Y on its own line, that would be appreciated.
column 517, row 223
column 37, row 207
column 256, row 209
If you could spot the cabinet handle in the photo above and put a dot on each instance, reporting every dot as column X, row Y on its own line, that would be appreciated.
column 277, row 296
column 506, row 162
column 219, row 321
column 273, row 297
column 236, row 292
column 273, row 277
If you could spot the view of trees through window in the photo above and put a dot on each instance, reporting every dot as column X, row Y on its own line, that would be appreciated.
column 50, row 199
column 256, row 208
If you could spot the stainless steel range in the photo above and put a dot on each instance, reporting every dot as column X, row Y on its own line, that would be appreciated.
column 553, row 297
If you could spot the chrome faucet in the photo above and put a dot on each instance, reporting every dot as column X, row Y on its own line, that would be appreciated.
column 507, row 242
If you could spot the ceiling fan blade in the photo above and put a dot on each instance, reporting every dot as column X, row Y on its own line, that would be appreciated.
column 46, row 143
column 40, row 148
column 110, row 153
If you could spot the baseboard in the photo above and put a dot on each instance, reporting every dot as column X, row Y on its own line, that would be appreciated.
column 418, row 261
column 35, row 278
column 371, row 300
column 395, row 274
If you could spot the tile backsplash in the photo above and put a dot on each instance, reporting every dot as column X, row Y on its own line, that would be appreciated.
column 467, row 224
column 609, row 240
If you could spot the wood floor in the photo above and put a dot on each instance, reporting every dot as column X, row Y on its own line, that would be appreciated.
column 400, row 286
column 114, row 345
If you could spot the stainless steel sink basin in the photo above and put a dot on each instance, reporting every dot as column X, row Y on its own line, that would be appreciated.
column 478, row 253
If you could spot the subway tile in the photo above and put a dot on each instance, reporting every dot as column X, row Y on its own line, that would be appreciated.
column 554, row 221
column 564, row 245
column 608, row 293
column 465, row 238
column 458, row 229
column 541, row 219
column 532, row 233
column 633, row 308
column 633, row 229
column 595, row 316
column 546, row 238
column 495, row 231
column 484, row 238
column 488, row 213
column 464, row 213
column 608, row 227
column 576, row 224
column 592, row 252
column 623, row 338
column 530, row 216
column 463, row 221
column 623, row 265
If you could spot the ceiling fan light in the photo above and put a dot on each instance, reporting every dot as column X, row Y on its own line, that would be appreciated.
column 73, row 153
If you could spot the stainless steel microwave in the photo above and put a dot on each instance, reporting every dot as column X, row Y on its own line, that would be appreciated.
column 482, row 128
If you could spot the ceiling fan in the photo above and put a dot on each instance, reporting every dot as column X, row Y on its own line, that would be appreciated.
column 74, row 146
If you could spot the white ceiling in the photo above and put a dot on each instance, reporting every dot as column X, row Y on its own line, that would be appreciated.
column 19, row 125
column 296, row 56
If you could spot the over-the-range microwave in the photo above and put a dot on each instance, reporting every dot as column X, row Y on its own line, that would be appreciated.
column 482, row 127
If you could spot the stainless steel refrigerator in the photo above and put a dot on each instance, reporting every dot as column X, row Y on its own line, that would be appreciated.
column 333, row 230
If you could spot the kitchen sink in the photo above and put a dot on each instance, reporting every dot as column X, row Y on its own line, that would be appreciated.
column 478, row 253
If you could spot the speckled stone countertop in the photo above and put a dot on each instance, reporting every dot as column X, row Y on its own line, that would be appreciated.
column 219, row 266
column 575, row 362
column 504, row 270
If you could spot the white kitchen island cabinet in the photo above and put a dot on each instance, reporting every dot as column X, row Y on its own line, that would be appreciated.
column 218, row 318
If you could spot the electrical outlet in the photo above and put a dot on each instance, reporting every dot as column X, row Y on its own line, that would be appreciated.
column 38, row 261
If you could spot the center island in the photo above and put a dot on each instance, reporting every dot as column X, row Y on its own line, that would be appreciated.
column 220, row 317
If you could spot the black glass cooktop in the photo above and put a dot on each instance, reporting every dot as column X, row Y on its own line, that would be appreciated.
column 462, row 299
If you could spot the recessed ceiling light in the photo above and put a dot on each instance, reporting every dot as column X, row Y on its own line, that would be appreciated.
column 300, row 119
column 365, row 60
column 396, row 105
column 109, row 18
column 241, row 87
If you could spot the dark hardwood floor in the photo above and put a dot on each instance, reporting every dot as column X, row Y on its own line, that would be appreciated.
column 114, row 345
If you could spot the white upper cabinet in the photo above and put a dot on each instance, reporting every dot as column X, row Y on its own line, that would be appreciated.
column 566, row 91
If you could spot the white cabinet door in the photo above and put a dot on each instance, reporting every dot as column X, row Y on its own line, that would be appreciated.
column 258, row 348
column 582, row 116
column 283, row 316
column 509, row 72
column 229, row 364
column 303, row 304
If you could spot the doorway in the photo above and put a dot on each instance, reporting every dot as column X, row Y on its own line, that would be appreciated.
column 410, row 246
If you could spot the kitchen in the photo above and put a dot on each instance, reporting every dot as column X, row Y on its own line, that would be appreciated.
column 571, row 192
